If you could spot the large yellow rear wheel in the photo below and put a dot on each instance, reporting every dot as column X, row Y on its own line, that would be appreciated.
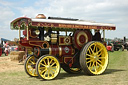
column 94, row 58
column 29, row 65
column 48, row 67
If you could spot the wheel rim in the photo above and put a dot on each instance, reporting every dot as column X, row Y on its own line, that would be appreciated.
column 70, row 70
column 48, row 67
column 96, row 58
column 75, row 69
column 30, row 66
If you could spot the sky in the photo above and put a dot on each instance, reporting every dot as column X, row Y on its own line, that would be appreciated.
column 105, row 11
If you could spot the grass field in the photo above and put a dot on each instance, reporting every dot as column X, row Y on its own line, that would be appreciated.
column 116, row 74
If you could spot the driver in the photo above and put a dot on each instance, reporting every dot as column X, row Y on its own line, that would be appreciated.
column 48, row 35
column 97, row 36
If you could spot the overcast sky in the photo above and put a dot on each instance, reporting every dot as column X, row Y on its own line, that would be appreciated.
column 106, row 11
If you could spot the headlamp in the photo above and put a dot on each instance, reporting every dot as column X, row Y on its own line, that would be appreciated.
column 37, row 32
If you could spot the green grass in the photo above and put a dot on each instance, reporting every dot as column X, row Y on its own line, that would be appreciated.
column 116, row 74
column 118, row 59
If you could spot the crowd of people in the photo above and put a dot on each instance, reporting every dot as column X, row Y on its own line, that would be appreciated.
column 7, row 48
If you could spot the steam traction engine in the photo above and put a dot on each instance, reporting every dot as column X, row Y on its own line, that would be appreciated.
column 60, row 42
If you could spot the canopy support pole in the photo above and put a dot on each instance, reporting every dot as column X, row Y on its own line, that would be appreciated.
column 19, row 34
column 27, row 33
column 104, row 35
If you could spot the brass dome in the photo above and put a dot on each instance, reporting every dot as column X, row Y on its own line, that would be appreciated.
column 41, row 16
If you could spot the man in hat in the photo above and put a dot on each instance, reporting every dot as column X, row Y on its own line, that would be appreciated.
column 97, row 36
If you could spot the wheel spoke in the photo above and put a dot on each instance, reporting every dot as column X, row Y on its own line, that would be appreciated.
column 89, row 61
column 99, row 64
column 48, row 61
column 99, row 54
column 53, row 63
column 41, row 72
column 92, row 65
column 53, row 70
column 102, row 58
column 88, row 58
column 96, row 67
column 35, row 72
column 44, row 74
column 42, row 68
column 48, row 74
column 100, row 50
column 99, row 61
column 89, row 55
column 54, row 67
column 29, row 64
column 31, row 61
column 91, row 50
column 42, row 64
column 94, row 48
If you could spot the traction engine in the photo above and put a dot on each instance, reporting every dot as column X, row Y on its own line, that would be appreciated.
column 62, row 43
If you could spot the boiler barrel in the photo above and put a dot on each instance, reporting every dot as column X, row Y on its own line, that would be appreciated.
column 54, row 50
column 61, row 50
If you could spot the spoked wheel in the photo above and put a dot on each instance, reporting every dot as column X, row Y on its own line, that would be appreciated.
column 30, row 66
column 48, row 67
column 70, row 70
column 94, row 58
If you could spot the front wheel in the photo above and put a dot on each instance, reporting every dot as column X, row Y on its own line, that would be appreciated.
column 48, row 67
column 94, row 58
column 29, row 65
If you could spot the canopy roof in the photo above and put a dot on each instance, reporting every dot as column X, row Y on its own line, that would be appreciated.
column 3, row 39
column 23, row 22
